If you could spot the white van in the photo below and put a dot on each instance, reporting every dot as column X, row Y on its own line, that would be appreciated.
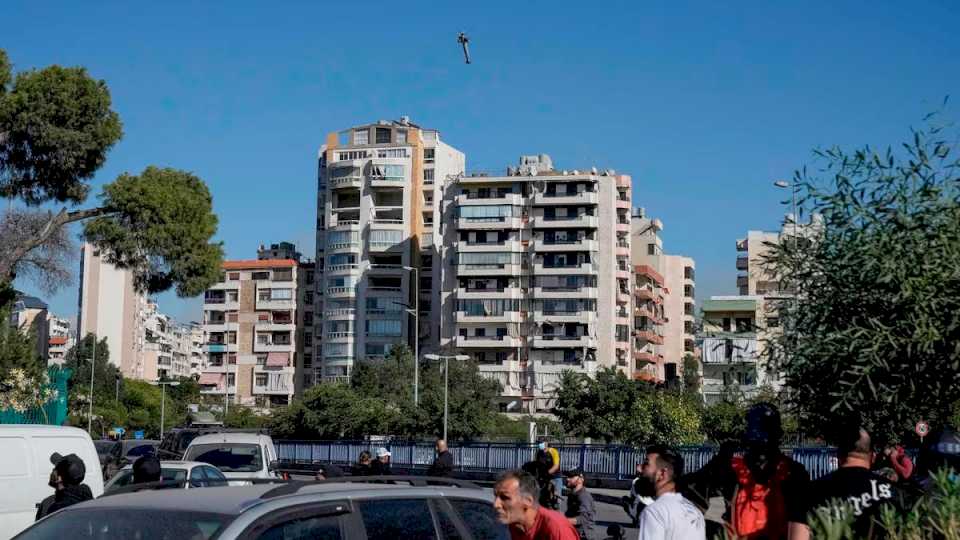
column 25, row 467
column 239, row 456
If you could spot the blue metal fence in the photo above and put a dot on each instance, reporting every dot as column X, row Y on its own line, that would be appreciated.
column 598, row 461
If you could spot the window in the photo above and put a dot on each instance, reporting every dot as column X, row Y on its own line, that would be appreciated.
column 392, row 153
column 261, row 379
column 260, row 275
column 401, row 135
column 356, row 154
column 491, row 212
column 773, row 322
column 428, row 175
column 382, row 135
column 308, row 297
column 361, row 136
column 308, row 318
column 233, row 276
column 262, row 358
column 397, row 518
column 480, row 519
column 306, row 528
column 429, row 154
column 231, row 379
column 387, row 327
column 744, row 325
column 387, row 171
column 232, row 296
column 385, row 237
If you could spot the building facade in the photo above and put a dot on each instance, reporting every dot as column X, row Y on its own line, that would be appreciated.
column 665, row 304
column 57, row 350
column 29, row 315
column 250, row 329
column 378, row 189
column 536, row 276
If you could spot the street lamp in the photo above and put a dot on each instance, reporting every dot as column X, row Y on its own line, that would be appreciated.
column 163, row 399
column 446, row 380
column 415, row 311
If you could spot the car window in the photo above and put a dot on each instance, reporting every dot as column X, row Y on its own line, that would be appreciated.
column 115, row 451
column 447, row 527
column 173, row 475
column 480, row 519
column 198, row 478
column 227, row 457
column 122, row 478
column 99, row 523
column 397, row 518
column 142, row 450
column 214, row 477
column 309, row 528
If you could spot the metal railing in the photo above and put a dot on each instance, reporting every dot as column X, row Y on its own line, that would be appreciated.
column 598, row 461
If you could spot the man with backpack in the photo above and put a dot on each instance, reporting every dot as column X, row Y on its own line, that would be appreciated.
column 763, row 489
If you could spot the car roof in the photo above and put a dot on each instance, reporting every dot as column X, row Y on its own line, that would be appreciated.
column 173, row 464
column 234, row 500
column 231, row 437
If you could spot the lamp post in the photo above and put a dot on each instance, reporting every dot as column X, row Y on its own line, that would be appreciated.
column 415, row 311
column 792, row 185
column 93, row 364
column 446, row 381
column 163, row 399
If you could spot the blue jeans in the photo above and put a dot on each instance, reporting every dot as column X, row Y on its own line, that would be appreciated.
column 557, row 482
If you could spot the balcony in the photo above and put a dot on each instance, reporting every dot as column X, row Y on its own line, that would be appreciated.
column 643, row 358
column 221, row 305
column 339, row 337
column 623, row 297
column 219, row 347
column 466, row 293
column 273, row 347
column 583, row 317
column 346, row 224
column 488, row 342
column 743, row 281
column 385, row 291
column 505, row 317
column 489, row 224
column 387, row 270
column 342, row 292
column 221, row 326
column 648, row 336
column 564, row 341
column 340, row 314
column 277, row 304
column 353, row 180
column 566, row 245
column 649, row 272
column 513, row 199
column 586, row 222
column 488, row 270
column 741, row 244
column 584, row 197
column 644, row 312
column 219, row 390
column 623, row 250
column 477, row 247
column 220, row 368
column 743, row 263
column 566, row 292
column 584, row 268
column 268, row 326
column 621, row 203
column 342, row 269
column 388, row 223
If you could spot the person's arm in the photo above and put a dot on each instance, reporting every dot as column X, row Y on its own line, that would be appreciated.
column 798, row 531
column 699, row 486
column 555, row 458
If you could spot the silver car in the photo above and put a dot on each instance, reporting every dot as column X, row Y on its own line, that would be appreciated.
column 388, row 508
column 192, row 474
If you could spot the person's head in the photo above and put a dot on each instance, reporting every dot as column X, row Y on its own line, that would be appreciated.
column 328, row 471
column 364, row 458
column 762, row 438
column 852, row 441
column 575, row 479
column 662, row 468
column 441, row 445
column 68, row 470
column 146, row 469
column 515, row 498
column 542, row 444
column 383, row 455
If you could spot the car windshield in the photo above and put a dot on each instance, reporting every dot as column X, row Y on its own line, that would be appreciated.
column 142, row 450
column 227, row 457
column 125, row 477
column 103, row 447
column 141, row 523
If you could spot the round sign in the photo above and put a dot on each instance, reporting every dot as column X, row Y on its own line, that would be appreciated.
column 922, row 428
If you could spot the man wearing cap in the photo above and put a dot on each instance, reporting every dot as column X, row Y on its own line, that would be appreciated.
column 381, row 465
column 146, row 469
column 67, row 481
column 581, row 512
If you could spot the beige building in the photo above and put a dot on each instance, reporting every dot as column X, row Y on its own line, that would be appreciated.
column 57, row 350
column 250, row 324
column 30, row 315
column 664, row 304
column 377, row 210
column 536, row 276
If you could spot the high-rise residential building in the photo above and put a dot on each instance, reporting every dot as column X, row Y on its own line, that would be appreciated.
column 536, row 276
column 111, row 308
column 665, row 308
column 57, row 351
column 186, row 342
column 59, row 326
column 196, row 349
column 29, row 314
column 379, row 186
column 250, row 324
column 758, row 277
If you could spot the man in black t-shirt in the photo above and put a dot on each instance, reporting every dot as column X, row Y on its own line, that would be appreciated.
column 581, row 512
column 853, row 488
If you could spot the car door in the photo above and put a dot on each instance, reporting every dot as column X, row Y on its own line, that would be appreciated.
column 408, row 518
column 478, row 517
column 323, row 521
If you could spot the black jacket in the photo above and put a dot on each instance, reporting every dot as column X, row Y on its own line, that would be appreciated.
column 68, row 496
column 379, row 468
column 442, row 465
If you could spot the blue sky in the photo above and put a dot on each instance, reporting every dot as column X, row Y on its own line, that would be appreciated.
column 704, row 104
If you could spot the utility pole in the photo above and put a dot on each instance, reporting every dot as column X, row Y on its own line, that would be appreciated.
column 93, row 365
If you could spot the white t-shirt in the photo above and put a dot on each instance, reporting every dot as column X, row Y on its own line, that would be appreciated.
column 671, row 517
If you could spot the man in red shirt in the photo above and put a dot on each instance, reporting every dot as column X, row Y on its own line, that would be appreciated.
column 515, row 500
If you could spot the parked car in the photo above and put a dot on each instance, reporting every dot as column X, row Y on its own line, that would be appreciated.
column 176, row 441
column 332, row 509
column 198, row 474
column 125, row 452
column 239, row 456
column 103, row 447
column 25, row 469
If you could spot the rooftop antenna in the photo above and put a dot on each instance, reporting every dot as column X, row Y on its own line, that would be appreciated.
column 463, row 40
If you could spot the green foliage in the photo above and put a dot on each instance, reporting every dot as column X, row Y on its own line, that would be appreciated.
column 691, row 375
column 875, row 324
column 23, row 377
column 612, row 407
column 333, row 411
column 159, row 224
column 58, row 126
column 244, row 418
column 104, row 373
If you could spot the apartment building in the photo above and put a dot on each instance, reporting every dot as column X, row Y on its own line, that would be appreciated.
column 249, row 324
column 536, row 276
column 29, row 314
column 57, row 350
column 664, row 304
column 734, row 335
column 378, row 189
column 59, row 326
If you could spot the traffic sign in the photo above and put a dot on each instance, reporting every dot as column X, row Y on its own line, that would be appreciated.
column 922, row 429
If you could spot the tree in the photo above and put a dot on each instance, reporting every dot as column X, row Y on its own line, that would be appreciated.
column 691, row 374
column 104, row 373
column 23, row 379
column 874, row 327
column 56, row 126
column 334, row 411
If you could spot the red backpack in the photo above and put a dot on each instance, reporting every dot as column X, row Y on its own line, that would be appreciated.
column 759, row 510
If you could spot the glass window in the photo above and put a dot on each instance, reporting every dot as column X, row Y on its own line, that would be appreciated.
column 401, row 136
column 488, row 212
column 227, row 457
column 198, row 478
column 260, row 275
column 385, row 237
column 387, row 327
column 382, row 135
column 214, row 477
column 480, row 519
column 397, row 518
column 102, row 523
column 361, row 136
column 309, row 528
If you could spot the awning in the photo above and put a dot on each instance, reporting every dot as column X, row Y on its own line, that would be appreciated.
column 278, row 359
column 211, row 378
